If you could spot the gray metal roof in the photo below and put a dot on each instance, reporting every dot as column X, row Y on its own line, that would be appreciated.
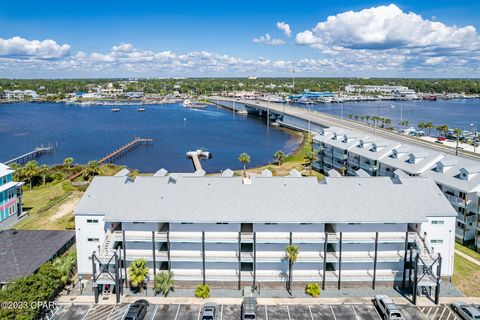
column 23, row 251
column 263, row 199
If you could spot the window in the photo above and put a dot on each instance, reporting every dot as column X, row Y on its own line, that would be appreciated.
column 4, row 179
column 93, row 240
column 12, row 210
column 305, row 223
column 222, row 222
column 270, row 223
column 436, row 241
column 92, row 221
column 11, row 193
column 138, row 222
column 186, row 222
column 437, row 221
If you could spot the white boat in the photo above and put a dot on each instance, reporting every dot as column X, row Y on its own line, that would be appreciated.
column 141, row 109
column 187, row 103
column 115, row 109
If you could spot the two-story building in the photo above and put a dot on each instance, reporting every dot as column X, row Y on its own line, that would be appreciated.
column 10, row 197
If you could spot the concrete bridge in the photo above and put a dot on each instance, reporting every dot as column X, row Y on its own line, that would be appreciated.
column 305, row 119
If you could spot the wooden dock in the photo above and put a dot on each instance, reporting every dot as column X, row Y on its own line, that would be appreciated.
column 196, row 155
column 111, row 157
column 24, row 158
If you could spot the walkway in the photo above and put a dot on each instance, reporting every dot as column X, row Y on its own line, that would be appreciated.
column 466, row 256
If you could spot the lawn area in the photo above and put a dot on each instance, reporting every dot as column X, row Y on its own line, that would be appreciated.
column 295, row 160
column 467, row 250
column 466, row 277
column 49, row 207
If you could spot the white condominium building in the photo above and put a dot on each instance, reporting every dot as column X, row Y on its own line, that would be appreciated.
column 230, row 231
column 358, row 154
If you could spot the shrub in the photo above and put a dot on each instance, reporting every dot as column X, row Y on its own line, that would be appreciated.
column 163, row 283
column 70, row 226
column 202, row 291
column 312, row 289
column 67, row 186
column 138, row 273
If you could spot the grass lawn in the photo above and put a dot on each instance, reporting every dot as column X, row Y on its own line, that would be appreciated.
column 467, row 250
column 466, row 277
column 295, row 160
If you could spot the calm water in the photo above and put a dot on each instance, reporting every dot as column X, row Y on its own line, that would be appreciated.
column 454, row 113
column 87, row 133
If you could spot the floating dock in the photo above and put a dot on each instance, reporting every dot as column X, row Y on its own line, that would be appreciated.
column 24, row 158
column 196, row 155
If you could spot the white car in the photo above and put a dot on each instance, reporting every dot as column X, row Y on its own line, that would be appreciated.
column 209, row 311
column 466, row 311
column 388, row 309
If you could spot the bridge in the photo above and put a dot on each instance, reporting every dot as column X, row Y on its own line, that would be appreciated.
column 24, row 158
column 311, row 119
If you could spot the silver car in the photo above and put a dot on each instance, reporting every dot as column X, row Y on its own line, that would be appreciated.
column 209, row 311
column 466, row 311
column 389, row 310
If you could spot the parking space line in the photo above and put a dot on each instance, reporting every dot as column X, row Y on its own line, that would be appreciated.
column 436, row 311
column 376, row 311
column 443, row 312
column 288, row 312
column 266, row 312
column 334, row 316
column 451, row 312
column 198, row 316
column 354, row 311
column 176, row 315
column 311, row 314
column 110, row 313
column 154, row 312
column 221, row 313
column 85, row 316
column 428, row 312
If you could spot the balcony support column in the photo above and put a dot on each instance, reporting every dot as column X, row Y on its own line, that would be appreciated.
column 239, row 260
column 340, row 261
column 410, row 269
column 439, row 275
column 254, row 260
column 117, row 278
column 203, row 257
column 124, row 245
column 324, row 271
column 415, row 281
column 375, row 261
column 153, row 253
column 168, row 252
column 405, row 261
column 94, row 277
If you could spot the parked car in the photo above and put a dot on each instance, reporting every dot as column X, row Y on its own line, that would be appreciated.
column 249, row 308
column 137, row 310
column 441, row 138
column 466, row 311
column 388, row 309
column 209, row 311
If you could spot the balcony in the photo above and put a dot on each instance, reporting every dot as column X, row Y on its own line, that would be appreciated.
column 458, row 201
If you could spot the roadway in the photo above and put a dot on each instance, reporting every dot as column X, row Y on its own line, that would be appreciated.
column 327, row 120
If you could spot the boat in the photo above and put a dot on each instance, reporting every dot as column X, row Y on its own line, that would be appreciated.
column 187, row 103
column 141, row 109
column 115, row 109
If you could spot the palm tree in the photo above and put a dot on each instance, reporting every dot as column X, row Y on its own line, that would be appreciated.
column 457, row 132
column 309, row 158
column 362, row 118
column 442, row 128
column 367, row 118
column 356, row 117
column 92, row 169
column 43, row 172
column 387, row 121
column 65, row 266
column 18, row 174
column 163, row 283
column 244, row 158
column 350, row 116
column 138, row 273
column 291, row 253
column 429, row 126
column 30, row 171
column 67, row 162
column 280, row 156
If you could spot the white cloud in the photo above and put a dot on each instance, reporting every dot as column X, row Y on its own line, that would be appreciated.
column 285, row 27
column 435, row 60
column 268, row 40
column 20, row 48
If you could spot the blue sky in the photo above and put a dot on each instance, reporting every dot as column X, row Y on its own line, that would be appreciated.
column 423, row 38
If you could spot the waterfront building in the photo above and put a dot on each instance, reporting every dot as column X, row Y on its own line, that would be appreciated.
column 19, row 94
column 10, row 197
column 459, row 178
column 385, row 89
column 230, row 231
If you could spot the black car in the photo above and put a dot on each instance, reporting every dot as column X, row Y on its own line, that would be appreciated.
column 137, row 310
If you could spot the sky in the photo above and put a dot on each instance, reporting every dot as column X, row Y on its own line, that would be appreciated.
column 142, row 38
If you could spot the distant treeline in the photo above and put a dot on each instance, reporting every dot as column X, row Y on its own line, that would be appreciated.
column 208, row 85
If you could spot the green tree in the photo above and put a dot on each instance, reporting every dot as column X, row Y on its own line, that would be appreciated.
column 429, row 126
column 30, row 171
column 92, row 169
column 458, row 133
column 43, row 171
column 18, row 174
column 367, row 118
column 138, row 273
column 280, row 156
column 310, row 157
column 163, row 283
column 312, row 289
column 291, row 253
column 67, row 162
column 65, row 265
column 202, row 291
column 244, row 158
column 350, row 116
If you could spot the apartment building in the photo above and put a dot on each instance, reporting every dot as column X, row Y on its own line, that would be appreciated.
column 353, row 153
column 230, row 231
column 10, row 197
column 19, row 94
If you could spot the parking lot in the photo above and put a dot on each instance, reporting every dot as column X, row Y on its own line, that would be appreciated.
column 232, row 312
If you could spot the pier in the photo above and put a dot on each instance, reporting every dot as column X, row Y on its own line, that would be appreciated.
column 196, row 155
column 111, row 157
column 24, row 158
